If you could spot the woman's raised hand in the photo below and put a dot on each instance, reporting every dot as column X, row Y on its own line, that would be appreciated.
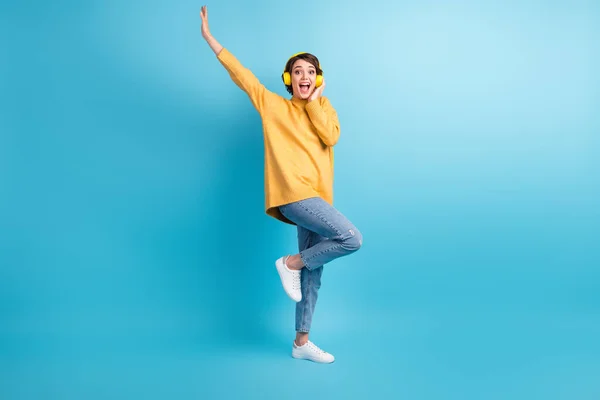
column 212, row 42
column 204, row 27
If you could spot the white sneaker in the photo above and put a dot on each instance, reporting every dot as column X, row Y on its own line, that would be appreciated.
column 290, row 279
column 310, row 351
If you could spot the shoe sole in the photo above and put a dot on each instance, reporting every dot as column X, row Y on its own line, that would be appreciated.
column 311, row 359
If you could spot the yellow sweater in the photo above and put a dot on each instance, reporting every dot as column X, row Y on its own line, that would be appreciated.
column 298, row 139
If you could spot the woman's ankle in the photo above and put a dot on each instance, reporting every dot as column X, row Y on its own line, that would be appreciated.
column 294, row 262
column 301, row 338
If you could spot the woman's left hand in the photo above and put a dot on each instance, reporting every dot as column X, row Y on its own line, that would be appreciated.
column 318, row 92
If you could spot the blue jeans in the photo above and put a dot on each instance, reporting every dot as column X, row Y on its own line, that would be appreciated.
column 324, row 234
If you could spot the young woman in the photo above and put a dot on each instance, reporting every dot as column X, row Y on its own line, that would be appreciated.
column 299, row 134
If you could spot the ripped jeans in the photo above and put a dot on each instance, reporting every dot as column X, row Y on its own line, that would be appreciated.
column 324, row 234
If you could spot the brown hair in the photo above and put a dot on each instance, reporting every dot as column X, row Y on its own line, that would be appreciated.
column 306, row 57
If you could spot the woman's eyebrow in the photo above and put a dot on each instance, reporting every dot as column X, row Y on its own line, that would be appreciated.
column 299, row 66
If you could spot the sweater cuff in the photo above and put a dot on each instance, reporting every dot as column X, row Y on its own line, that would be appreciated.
column 313, row 106
column 225, row 56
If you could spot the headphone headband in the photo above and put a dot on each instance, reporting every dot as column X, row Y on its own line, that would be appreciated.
column 297, row 54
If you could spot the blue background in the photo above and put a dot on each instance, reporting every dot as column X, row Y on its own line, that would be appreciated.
column 136, row 260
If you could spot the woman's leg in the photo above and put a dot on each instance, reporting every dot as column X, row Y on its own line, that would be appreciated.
column 311, row 282
column 318, row 216
column 303, row 348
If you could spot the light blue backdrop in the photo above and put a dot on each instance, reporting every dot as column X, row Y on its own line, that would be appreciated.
column 136, row 261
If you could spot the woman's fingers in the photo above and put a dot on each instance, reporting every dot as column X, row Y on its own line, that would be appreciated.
column 204, row 18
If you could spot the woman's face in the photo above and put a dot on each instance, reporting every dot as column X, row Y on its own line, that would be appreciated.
column 304, row 75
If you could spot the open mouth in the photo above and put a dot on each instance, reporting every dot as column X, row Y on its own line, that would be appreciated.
column 304, row 88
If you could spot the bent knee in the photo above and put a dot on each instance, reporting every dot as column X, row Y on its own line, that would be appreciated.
column 354, row 241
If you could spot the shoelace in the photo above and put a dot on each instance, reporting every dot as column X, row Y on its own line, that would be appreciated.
column 296, row 281
column 315, row 347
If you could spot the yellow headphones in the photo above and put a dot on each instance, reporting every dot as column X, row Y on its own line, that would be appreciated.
column 287, row 78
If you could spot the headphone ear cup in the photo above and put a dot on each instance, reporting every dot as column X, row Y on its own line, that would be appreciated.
column 319, row 80
column 287, row 79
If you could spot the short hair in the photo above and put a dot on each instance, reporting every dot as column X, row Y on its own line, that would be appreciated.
column 303, row 56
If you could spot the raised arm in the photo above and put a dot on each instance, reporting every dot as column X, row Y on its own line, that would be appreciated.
column 323, row 116
column 242, row 76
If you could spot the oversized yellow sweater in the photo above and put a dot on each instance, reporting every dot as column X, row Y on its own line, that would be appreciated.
column 298, row 140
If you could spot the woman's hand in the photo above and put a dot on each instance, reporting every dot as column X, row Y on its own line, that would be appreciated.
column 204, row 27
column 212, row 42
column 318, row 92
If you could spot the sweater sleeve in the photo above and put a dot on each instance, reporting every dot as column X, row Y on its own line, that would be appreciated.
column 325, row 119
column 244, row 79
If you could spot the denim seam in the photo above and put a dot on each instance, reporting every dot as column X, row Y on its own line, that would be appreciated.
column 338, row 233
column 301, row 326
column 304, row 260
column 305, row 306
column 305, row 300
column 322, row 252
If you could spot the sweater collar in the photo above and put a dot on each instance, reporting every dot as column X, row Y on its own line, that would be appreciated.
column 298, row 101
